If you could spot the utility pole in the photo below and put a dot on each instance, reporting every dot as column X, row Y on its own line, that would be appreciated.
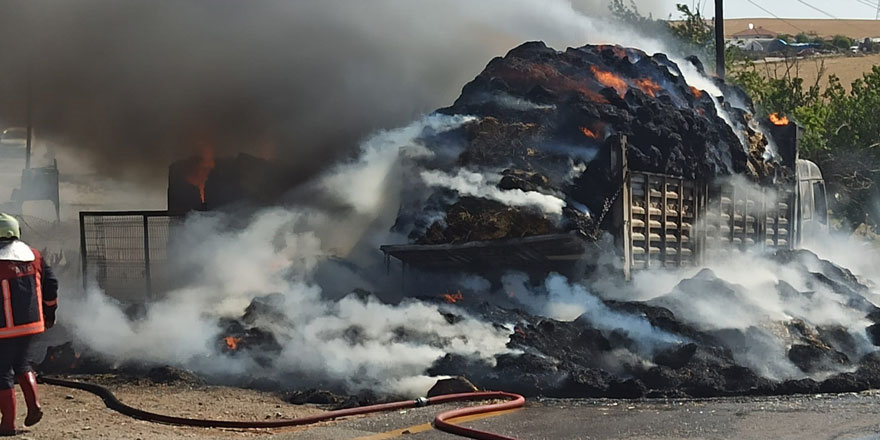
column 877, row 16
column 30, row 125
column 719, row 38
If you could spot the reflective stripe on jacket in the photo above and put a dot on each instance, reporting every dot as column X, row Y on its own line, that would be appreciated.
column 22, row 291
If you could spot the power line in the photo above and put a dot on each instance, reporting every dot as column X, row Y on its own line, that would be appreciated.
column 816, row 9
column 873, row 7
column 834, row 17
column 867, row 4
column 776, row 16
column 837, row 18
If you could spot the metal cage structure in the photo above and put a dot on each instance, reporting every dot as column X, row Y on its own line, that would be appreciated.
column 126, row 252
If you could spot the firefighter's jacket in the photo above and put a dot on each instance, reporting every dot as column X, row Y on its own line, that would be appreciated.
column 30, row 290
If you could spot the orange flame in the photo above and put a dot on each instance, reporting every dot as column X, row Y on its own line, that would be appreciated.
column 648, row 86
column 609, row 79
column 232, row 342
column 589, row 133
column 697, row 92
column 198, row 176
column 778, row 120
column 545, row 75
column 452, row 298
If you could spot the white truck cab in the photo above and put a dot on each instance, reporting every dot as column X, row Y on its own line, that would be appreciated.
column 812, row 206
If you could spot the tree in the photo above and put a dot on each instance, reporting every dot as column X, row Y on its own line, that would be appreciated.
column 842, row 42
column 841, row 131
column 629, row 13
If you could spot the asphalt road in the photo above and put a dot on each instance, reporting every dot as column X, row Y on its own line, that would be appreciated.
column 844, row 417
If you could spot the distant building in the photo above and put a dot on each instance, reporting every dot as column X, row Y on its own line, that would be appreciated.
column 771, row 45
column 758, row 33
column 752, row 44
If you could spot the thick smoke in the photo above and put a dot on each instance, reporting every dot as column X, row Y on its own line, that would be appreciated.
column 278, row 255
column 132, row 86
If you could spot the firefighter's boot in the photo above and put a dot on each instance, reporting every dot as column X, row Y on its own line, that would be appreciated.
column 7, row 409
column 28, row 382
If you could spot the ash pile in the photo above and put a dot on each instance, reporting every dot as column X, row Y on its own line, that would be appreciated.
column 708, row 336
column 796, row 325
column 535, row 158
column 811, row 330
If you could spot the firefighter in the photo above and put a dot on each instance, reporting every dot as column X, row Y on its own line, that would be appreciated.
column 30, row 297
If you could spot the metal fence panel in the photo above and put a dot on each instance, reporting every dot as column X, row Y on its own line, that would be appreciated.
column 126, row 252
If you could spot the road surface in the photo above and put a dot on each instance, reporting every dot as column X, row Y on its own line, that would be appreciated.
column 844, row 417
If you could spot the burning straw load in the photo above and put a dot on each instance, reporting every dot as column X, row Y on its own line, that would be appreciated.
column 536, row 159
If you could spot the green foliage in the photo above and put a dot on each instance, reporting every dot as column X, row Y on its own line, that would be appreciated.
column 697, row 34
column 841, row 131
column 628, row 13
column 842, row 42
column 693, row 29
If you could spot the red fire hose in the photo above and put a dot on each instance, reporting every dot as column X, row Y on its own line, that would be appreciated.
column 440, row 422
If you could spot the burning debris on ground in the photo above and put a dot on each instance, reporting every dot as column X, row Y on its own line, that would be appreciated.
column 583, row 357
column 575, row 359
column 66, row 359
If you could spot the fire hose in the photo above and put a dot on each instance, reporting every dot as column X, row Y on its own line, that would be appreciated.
column 441, row 421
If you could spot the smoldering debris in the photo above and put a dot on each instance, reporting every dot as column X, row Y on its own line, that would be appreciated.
column 808, row 347
column 778, row 339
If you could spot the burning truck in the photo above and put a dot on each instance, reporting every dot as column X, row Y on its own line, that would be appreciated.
column 547, row 164
column 627, row 149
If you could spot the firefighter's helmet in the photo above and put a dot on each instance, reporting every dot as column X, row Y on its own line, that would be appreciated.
column 9, row 227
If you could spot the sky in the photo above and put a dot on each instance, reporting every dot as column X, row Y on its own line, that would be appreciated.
column 852, row 9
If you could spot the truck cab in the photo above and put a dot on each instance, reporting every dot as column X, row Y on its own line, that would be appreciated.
column 812, row 206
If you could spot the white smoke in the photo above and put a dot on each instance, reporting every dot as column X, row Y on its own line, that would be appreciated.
column 469, row 183
column 278, row 254
column 512, row 102
column 362, row 183
column 562, row 300
column 749, row 298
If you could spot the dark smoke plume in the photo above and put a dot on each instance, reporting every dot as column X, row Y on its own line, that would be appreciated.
column 135, row 85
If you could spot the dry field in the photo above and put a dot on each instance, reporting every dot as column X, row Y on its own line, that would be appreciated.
column 858, row 29
column 847, row 68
